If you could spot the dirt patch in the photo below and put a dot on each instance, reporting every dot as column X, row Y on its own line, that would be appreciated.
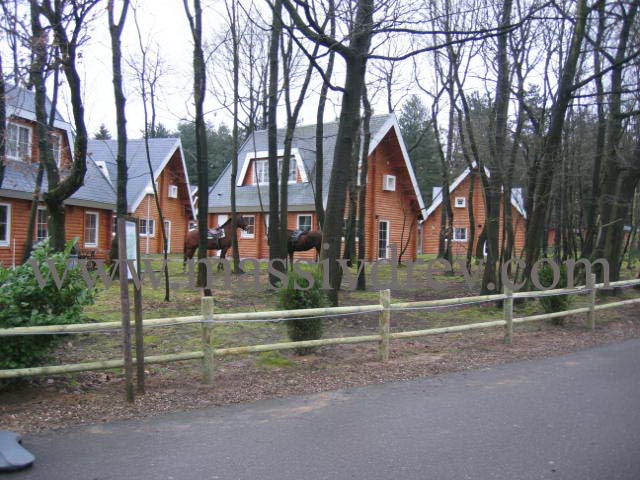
column 91, row 398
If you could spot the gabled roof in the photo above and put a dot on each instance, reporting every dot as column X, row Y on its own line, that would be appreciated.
column 20, row 181
column 516, row 193
column 104, row 152
column 21, row 102
column 304, row 151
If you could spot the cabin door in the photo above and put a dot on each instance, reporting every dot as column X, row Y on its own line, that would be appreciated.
column 167, row 232
column 383, row 239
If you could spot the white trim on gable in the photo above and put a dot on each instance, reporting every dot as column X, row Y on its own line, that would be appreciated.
column 29, row 115
column 264, row 153
column 143, row 193
column 437, row 201
column 392, row 122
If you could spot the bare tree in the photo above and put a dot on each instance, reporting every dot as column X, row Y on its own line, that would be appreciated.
column 68, row 22
column 199, row 91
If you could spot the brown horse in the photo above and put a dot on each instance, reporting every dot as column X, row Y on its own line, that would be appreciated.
column 222, row 242
column 306, row 241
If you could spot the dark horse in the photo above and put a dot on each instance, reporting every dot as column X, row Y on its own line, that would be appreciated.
column 219, row 241
column 306, row 241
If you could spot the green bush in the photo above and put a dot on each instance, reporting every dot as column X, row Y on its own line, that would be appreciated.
column 292, row 298
column 555, row 303
column 25, row 303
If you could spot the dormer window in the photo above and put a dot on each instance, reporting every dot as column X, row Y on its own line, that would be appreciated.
column 389, row 183
column 173, row 191
column 18, row 142
column 461, row 202
column 261, row 171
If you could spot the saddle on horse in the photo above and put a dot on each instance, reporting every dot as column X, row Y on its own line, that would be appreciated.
column 296, row 236
column 215, row 233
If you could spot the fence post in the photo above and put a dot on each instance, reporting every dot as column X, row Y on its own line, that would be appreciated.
column 591, row 316
column 507, row 307
column 207, row 340
column 384, row 322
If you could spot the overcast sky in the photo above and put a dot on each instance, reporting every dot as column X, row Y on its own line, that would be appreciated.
column 168, row 27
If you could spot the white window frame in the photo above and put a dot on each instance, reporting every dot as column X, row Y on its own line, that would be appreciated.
column 6, row 242
column 263, row 178
column 385, row 183
column 57, row 153
column 388, row 239
column 97, row 215
column 167, row 232
column 41, row 209
column 460, row 202
column 245, row 234
column 260, row 175
column 172, row 191
column 466, row 236
column 30, row 143
column 304, row 215
column 146, row 227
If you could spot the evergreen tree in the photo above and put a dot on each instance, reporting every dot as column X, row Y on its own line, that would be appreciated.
column 219, row 148
column 102, row 133
column 417, row 132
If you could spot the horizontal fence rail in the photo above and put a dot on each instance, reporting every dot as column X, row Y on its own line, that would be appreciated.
column 208, row 319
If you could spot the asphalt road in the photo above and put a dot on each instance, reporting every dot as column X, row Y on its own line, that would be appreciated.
column 570, row 417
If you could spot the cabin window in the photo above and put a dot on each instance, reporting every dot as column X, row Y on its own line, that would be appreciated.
column 261, row 171
column 5, row 224
column 18, row 142
column 91, row 229
column 383, row 239
column 42, row 226
column 173, row 191
column 461, row 202
column 459, row 234
column 389, row 183
column 56, row 144
column 147, row 227
column 304, row 222
column 250, row 227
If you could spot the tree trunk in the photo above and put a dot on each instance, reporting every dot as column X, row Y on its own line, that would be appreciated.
column 277, row 250
column 362, row 191
column 322, row 101
column 552, row 143
column 199, row 91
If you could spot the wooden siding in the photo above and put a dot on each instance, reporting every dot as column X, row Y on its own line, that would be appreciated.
column 65, row 151
column 74, row 223
column 431, row 227
column 399, row 207
column 176, row 210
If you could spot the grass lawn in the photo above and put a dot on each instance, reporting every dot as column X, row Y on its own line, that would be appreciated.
column 244, row 297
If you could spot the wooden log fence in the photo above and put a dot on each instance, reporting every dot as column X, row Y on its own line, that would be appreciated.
column 384, row 308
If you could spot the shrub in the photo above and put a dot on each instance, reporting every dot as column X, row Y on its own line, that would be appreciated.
column 555, row 303
column 292, row 298
column 24, row 303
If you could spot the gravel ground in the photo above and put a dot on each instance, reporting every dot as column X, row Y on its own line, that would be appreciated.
column 91, row 398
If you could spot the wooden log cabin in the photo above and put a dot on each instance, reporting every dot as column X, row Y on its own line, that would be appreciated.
column 459, row 197
column 394, row 204
column 90, row 210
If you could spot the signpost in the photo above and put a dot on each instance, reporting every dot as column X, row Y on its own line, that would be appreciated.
column 129, row 254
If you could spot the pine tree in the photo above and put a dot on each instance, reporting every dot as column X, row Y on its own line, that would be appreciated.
column 418, row 135
column 102, row 133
